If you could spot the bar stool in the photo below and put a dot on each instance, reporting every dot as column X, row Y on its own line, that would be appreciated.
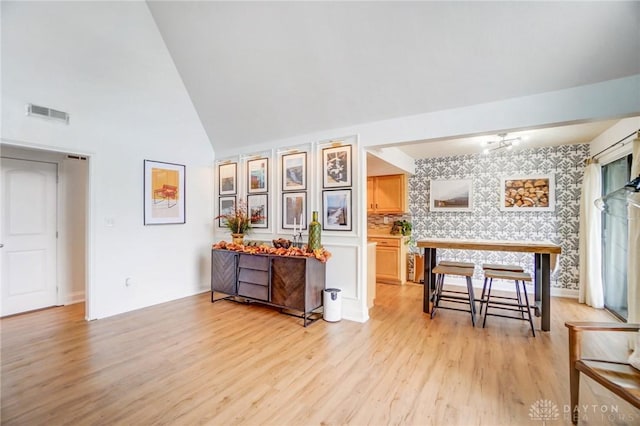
column 499, row 267
column 523, row 308
column 450, row 295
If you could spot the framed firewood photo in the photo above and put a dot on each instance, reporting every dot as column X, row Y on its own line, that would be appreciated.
column 527, row 193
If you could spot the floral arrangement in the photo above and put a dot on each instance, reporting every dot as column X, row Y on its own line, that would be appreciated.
column 238, row 221
column 321, row 254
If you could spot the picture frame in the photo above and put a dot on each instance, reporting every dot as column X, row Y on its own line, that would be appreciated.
column 336, row 210
column 164, row 193
column 451, row 195
column 227, row 179
column 336, row 166
column 535, row 192
column 294, row 171
column 294, row 210
column 258, row 210
column 257, row 175
column 226, row 205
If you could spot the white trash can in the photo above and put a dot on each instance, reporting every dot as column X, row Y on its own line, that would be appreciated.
column 332, row 300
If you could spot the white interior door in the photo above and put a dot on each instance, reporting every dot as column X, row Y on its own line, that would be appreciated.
column 28, row 232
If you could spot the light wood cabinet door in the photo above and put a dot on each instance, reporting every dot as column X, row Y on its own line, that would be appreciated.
column 391, row 194
column 387, row 264
column 387, row 194
column 390, row 260
column 370, row 194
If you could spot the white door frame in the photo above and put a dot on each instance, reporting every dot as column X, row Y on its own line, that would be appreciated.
column 90, row 208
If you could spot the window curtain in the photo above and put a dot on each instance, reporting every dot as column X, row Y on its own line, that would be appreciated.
column 633, row 272
column 590, row 242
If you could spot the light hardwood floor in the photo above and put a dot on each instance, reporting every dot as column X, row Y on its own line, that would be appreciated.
column 190, row 362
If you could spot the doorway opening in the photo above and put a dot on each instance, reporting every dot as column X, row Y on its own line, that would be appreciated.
column 70, row 203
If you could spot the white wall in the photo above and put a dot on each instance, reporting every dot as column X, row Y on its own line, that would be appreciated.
column 106, row 64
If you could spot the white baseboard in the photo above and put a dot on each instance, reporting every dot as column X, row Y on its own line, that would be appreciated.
column 72, row 298
column 564, row 292
column 352, row 310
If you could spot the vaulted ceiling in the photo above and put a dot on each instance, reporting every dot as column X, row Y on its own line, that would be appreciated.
column 262, row 71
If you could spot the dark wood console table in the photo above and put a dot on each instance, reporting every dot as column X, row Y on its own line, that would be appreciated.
column 292, row 283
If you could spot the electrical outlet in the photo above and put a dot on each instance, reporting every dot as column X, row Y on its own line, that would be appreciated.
column 128, row 282
column 385, row 220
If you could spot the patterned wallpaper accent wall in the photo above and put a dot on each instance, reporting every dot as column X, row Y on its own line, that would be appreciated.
column 487, row 221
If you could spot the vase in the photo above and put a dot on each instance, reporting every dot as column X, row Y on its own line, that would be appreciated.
column 237, row 238
column 314, row 233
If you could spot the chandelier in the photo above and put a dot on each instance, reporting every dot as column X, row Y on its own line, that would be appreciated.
column 503, row 143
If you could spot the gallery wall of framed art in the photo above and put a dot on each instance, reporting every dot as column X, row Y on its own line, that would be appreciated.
column 282, row 187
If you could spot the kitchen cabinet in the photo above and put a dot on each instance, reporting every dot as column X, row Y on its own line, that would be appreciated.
column 387, row 194
column 391, row 259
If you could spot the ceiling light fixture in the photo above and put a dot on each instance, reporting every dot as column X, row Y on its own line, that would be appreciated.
column 503, row 143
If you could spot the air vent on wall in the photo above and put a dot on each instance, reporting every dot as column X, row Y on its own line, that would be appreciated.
column 76, row 157
column 50, row 113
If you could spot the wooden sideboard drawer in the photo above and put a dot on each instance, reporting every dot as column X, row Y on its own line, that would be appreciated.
column 253, row 276
column 387, row 242
column 255, row 291
column 254, row 261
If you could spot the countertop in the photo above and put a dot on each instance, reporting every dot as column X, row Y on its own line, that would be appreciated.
column 381, row 235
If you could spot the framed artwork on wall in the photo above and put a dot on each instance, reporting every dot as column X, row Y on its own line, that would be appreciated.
column 226, row 205
column 257, row 208
column 164, row 193
column 294, row 210
column 336, row 210
column 227, row 178
column 258, row 175
column 528, row 193
column 452, row 195
column 336, row 166
column 294, row 171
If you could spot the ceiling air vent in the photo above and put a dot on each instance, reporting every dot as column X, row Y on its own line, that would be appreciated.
column 50, row 113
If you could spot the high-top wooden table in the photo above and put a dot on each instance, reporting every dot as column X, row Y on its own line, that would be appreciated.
column 542, row 257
